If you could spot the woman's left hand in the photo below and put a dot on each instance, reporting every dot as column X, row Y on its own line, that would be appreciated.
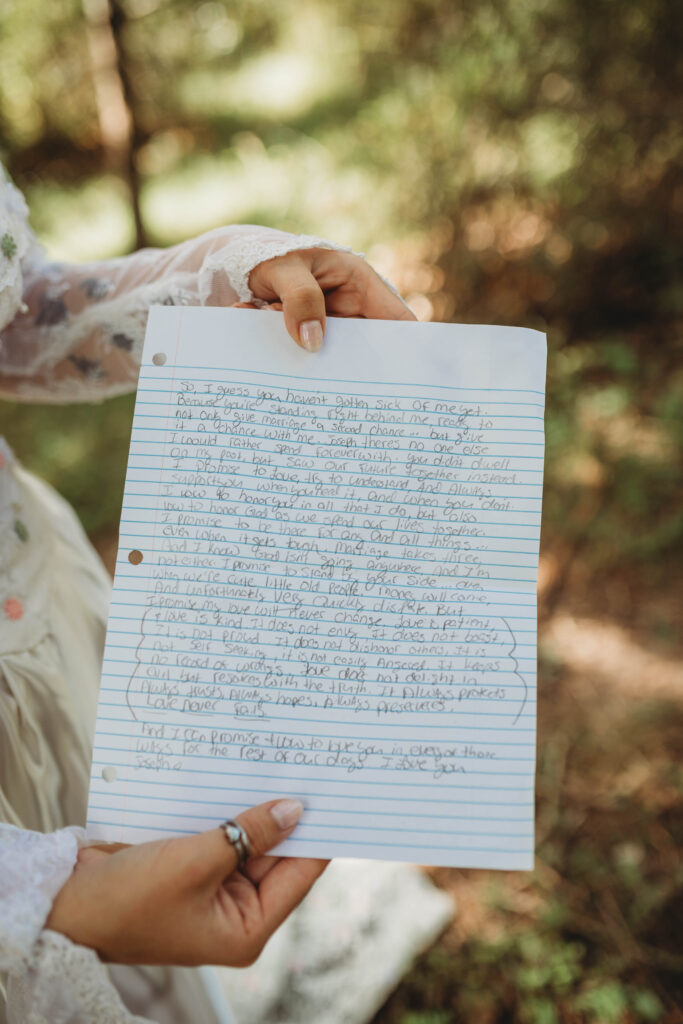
column 309, row 283
column 185, row 901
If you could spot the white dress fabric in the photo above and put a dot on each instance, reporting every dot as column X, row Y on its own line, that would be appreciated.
column 75, row 333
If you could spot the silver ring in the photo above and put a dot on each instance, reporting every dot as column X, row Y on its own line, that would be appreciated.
column 238, row 839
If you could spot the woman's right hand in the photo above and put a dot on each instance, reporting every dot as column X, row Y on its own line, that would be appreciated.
column 183, row 901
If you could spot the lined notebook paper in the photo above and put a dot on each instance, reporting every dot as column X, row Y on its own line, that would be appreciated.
column 326, row 588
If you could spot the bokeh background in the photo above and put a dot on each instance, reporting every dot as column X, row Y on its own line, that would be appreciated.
column 503, row 161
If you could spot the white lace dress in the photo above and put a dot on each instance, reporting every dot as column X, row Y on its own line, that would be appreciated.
column 75, row 333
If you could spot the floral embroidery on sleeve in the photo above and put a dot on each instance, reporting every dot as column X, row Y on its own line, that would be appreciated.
column 14, row 608
column 8, row 246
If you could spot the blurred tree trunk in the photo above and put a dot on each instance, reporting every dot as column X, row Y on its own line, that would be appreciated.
column 115, row 97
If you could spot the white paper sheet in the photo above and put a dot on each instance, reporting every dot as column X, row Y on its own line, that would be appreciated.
column 337, row 595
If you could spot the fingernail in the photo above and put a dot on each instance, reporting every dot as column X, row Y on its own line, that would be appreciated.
column 311, row 335
column 287, row 812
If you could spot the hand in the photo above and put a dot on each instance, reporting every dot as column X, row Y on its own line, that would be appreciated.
column 182, row 901
column 309, row 283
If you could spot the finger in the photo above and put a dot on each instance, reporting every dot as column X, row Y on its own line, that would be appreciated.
column 303, row 302
column 89, row 855
column 272, row 306
column 265, row 825
column 107, row 847
column 371, row 298
column 256, row 870
column 285, row 886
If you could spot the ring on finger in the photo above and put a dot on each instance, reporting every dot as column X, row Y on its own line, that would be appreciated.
column 238, row 839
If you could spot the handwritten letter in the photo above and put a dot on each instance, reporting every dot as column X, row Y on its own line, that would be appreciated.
column 325, row 588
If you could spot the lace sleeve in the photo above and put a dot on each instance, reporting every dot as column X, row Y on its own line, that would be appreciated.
column 33, row 868
column 50, row 980
column 80, row 332
column 65, row 984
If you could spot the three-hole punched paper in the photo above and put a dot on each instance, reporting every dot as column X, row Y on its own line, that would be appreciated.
column 326, row 588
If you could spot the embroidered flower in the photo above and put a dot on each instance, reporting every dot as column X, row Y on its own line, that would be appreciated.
column 21, row 530
column 14, row 609
column 8, row 246
column 95, row 287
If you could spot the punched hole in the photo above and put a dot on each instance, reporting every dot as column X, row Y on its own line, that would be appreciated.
column 135, row 557
column 109, row 774
column 159, row 358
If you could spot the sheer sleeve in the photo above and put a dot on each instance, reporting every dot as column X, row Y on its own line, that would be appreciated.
column 50, row 980
column 33, row 868
column 78, row 335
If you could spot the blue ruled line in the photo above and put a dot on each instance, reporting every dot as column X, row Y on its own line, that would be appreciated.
column 346, row 828
column 337, row 810
column 361, row 637
column 289, row 494
column 481, row 580
column 178, row 425
column 305, row 604
column 385, row 543
column 294, row 838
column 335, row 736
column 356, row 721
column 323, row 382
column 304, row 651
column 330, row 622
column 310, row 410
column 270, row 793
column 280, row 659
column 230, row 409
column 236, row 597
column 299, row 689
column 290, row 764
column 225, row 787
column 299, row 522
column 353, row 554
column 171, row 429
column 483, row 590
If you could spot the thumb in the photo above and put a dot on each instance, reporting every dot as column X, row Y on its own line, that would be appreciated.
column 265, row 826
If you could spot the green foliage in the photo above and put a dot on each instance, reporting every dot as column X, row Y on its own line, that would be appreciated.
column 590, row 937
column 425, row 1018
